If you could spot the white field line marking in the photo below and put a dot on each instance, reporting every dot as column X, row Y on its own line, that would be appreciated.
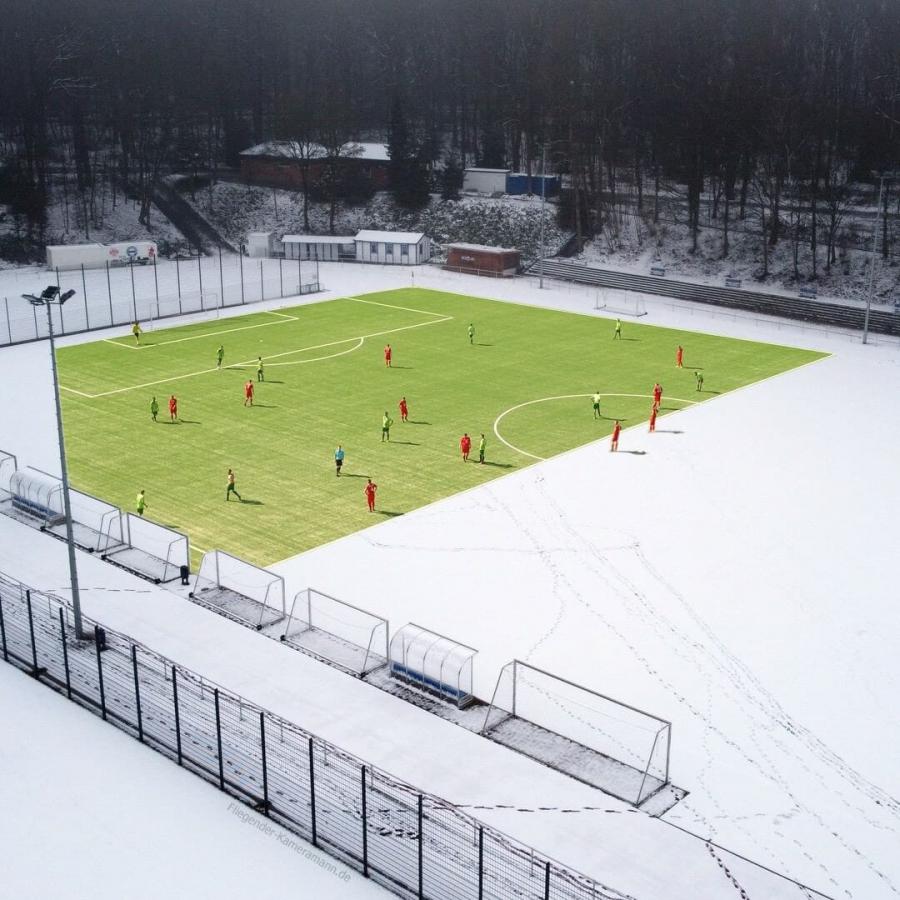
column 300, row 362
column 120, row 344
column 251, row 362
column 561, row 397
column 424, row 312
column 73, row 391
column 196, row 337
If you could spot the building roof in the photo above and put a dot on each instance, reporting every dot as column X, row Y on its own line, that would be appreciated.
column 483, row 248
column 317, row 239
column 292, row 150
column 391, row 237
column 495, row 171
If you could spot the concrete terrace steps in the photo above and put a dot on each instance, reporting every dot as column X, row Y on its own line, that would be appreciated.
column 815, row 311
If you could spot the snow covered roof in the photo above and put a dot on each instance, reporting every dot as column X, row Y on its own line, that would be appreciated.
column 317, row 239
column 483, row 248
column 391, row 237
column 292, row 150
column 497, row 171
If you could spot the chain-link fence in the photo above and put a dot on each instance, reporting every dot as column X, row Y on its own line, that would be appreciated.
column 120, row 295
column 413, row 844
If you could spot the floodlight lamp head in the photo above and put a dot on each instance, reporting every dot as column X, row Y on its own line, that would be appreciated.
column 34, row 301
column 66, row 296
column 49, row 292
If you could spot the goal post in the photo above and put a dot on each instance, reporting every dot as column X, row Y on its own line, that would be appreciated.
column 239, row 590
column 337, row 632
column 621, row 303
column 601, row 741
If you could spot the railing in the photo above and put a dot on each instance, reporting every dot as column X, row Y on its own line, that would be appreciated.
column 412, row 843
column 837, row 315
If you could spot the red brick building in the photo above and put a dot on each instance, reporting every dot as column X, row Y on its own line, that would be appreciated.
column 479, row 259
column 280, row 163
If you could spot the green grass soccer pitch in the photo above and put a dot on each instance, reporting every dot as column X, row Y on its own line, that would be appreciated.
column 530, row 372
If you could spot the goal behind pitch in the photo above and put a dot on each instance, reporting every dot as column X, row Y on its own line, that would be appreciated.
column 239, row 590
column 596, row 739
column 620, row 303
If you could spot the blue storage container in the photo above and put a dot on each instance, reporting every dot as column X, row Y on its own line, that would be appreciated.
column 521, row 183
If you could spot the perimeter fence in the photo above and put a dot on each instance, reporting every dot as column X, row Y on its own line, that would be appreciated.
column 121, row 295
column 414, row 844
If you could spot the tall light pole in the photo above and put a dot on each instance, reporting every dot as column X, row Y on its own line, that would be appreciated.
column 870, row 293
column 50, row 297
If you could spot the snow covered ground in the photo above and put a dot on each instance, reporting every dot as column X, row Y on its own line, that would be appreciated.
column 184, row 838
column 735, row 579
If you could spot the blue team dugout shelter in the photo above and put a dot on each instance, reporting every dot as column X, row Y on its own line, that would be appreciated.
column 523, row 183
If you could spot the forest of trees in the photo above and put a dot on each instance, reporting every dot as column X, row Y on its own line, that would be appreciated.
column 746, row 101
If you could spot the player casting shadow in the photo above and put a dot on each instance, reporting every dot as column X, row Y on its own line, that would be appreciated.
column 668, row 431
column 629, row 339
column 271, row 381
column 479, row 344
column 253, row 503
column 634, row 452
column 399, row 367
column 708, row 391
column 496, row 465
column 387, row 513
column 352, row 475
column 264, row 406
column 407, row 443
column 417, row 422
column 181, row 422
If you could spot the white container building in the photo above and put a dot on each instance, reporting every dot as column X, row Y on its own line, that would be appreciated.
column 398, row 248
column 324, row 247
column 485, row 181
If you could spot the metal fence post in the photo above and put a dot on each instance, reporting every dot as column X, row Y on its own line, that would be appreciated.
column 281, row 275
column 200, row 270
column 221, row 277
column 133, row 293
column 312, row 794
column 265, row 765
column 219, row 741
column 112, row 318
column 3, row 632
column 178, row 277
column 65, row 650
column 262, row 285
column 177, row 714
column 241, row 261
column 480, row 862
column 100, row 673
column 419, row 842
column 365, row 826
column 87, row 315
column 156, row 284
column 547, row 881
column 137, row 694
column 34, row 660
column 8, row 323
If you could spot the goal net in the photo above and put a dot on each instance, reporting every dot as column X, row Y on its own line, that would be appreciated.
column 239, row 590
column 151, row 550
column 96, row 524
column 621, row 303
column 596, row 739
column 338, row 633
column 8, row 465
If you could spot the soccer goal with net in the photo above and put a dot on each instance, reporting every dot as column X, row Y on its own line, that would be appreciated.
column 337, row 632
column 603, row 742
column 239, row 590
column 620, row 303
column 153, row 551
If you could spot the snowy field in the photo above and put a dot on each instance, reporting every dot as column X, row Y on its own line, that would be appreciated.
column 735, row 579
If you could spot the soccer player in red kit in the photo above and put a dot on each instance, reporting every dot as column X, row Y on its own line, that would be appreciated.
column 371, row 487
column 465, row 444
column 617, row 428
column 248, row 393
column 653, row 417
column 657, row 393
column 173, row 408
column 679, row 357
column 404, row 410
column 387, row 355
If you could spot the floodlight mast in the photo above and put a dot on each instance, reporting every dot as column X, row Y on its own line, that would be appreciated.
column 884, row 176
column 48, row 297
